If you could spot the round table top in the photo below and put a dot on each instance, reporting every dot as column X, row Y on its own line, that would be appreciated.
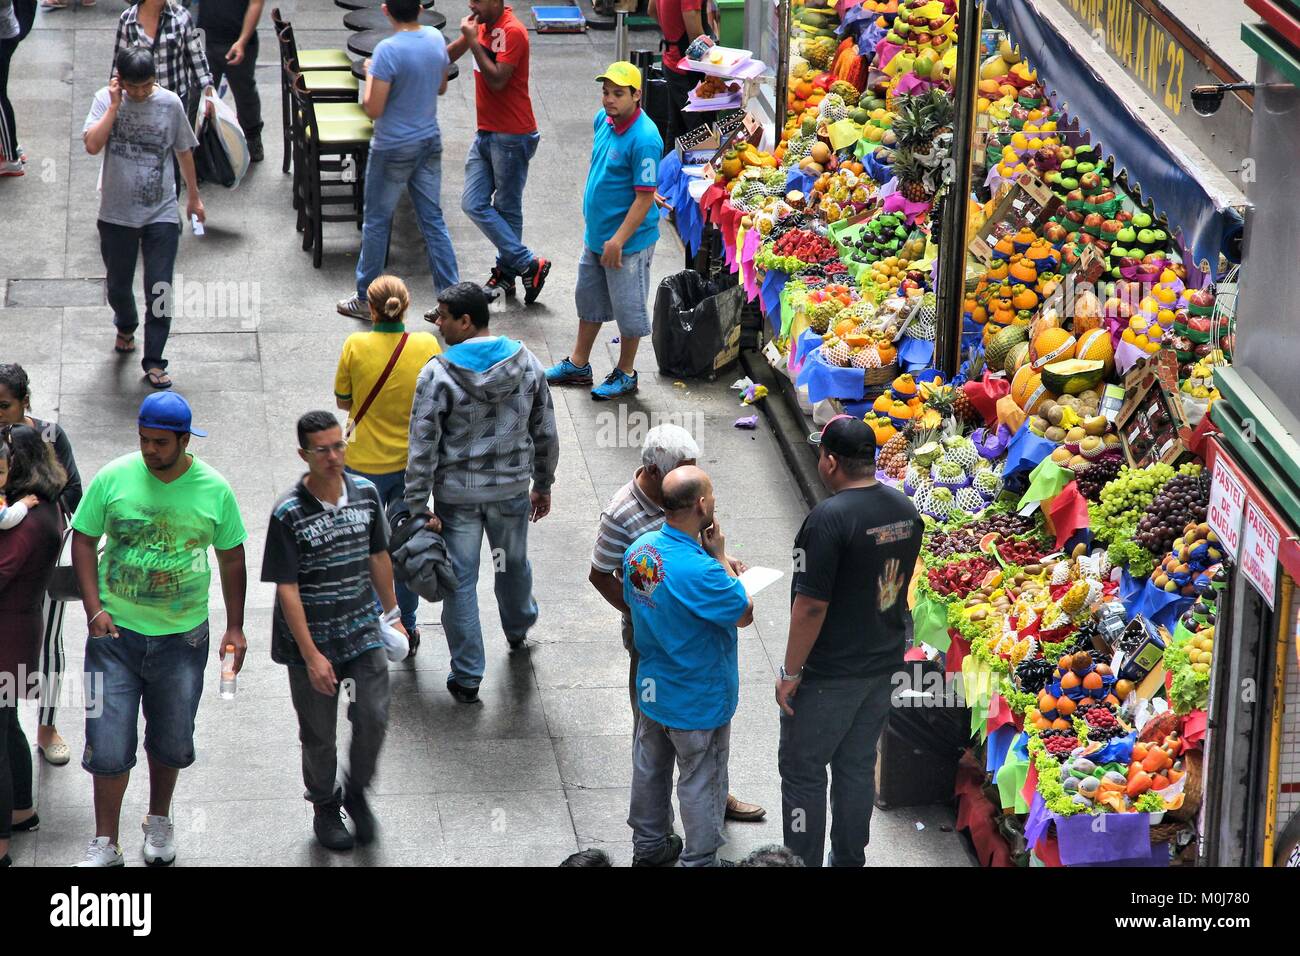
column 373, row 19
column 372, row 4
column 359, row 71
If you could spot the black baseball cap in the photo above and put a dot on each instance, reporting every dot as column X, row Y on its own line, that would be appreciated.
column 849, row 438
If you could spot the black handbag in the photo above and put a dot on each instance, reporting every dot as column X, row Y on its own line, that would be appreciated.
column 63, row 586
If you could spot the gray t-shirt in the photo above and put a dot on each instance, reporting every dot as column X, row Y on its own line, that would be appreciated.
column 139, row 181
column 9, row 27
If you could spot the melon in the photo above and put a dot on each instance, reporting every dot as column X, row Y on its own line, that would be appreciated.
column 1073, row 376
column 1095, row 346
column 1050, row 345
column 1017, row 357
column 1028, row 390
column 1001, row 344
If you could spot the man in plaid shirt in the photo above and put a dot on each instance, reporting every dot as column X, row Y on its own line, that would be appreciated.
column 165, row 29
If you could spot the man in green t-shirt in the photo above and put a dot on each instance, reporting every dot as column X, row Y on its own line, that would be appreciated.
column 146, row 604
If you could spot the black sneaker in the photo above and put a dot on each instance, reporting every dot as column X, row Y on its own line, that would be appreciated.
column 534, row 278
column 466, row 695
column 665, row 857
column 363, row 820
column 330, row 831
column 255, row 153
column 517, row 641
column 498, row 283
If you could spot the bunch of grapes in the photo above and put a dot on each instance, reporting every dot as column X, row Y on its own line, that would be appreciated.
column 1184, row 499
column 1102, row 724
column 1123, row 500
column 1096, row 476
column 1034, row 673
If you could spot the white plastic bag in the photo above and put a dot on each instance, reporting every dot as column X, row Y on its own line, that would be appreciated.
column 232, row 136
column 396, row 645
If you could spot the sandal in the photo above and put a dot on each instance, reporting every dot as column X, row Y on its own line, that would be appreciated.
column 158, row 378
column 56, row 754
column 125, row 344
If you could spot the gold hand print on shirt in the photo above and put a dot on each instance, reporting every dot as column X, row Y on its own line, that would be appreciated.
column 892, row 580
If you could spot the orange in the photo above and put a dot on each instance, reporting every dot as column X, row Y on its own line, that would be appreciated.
column 1092, row 681
column 1062, row 724
column 1070, row 681
column 1065, row 707
column 1050, row 345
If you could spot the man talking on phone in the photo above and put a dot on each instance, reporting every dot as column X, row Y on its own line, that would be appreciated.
column 482, row 430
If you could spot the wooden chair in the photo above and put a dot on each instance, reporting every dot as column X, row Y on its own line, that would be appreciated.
column 313, row 61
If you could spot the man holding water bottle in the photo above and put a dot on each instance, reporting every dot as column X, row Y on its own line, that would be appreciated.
column 146, row 599
column 327, row 554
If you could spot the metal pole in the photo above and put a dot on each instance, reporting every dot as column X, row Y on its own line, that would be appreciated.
column 783, row 67
column 951, row 291
column 620, row 36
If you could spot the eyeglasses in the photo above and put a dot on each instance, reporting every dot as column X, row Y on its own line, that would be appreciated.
column 321, row 451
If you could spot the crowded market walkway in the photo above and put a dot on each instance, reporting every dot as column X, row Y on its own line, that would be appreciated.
column 539, row 769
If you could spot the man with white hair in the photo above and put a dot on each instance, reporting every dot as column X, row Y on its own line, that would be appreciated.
column 636, row 508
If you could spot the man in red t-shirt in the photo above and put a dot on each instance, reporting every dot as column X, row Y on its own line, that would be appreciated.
column 680, row 21
column 497, row 166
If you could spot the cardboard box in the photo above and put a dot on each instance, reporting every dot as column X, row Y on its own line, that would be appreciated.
column 1030, row 202
column 1151, row 424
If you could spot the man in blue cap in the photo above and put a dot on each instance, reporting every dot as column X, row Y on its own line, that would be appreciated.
column 146, row 604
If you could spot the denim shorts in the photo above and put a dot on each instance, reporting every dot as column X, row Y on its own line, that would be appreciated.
column 165, row 675
column 618, row 294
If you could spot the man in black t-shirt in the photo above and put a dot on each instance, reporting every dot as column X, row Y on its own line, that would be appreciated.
column 230, row 33
column 853, row 561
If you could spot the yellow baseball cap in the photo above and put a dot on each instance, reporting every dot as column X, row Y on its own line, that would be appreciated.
column 622, row 73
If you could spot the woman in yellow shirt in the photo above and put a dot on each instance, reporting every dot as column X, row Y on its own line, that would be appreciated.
column 379, row 420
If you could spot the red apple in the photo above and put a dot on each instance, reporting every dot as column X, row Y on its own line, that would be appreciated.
column 1054, row 232
column 1203, row 298
column 1089, row 182
column 1110, row 227
column 1074, row 215
column 1074, row 195
column 1093, row 220
column 1124, row 216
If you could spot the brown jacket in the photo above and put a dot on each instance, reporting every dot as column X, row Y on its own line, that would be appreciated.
column 28, row 553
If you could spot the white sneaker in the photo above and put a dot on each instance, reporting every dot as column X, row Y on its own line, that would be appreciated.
column 159, row 840
column 102, row 851
column 16, row 168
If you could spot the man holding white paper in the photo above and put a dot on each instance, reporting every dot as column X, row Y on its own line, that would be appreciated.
column 636, row 508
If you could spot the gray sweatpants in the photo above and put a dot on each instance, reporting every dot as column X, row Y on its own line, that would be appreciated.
column 701, row 759
column 836, row 722
column 318, row 723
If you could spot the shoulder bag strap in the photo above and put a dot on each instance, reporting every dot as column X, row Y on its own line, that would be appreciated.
column 379, row 383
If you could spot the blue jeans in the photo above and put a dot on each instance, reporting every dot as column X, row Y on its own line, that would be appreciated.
column 506, row 524
column 392, row 487
column 495, row 172
column 701, row 760
column 165, row 675
column 417, row 169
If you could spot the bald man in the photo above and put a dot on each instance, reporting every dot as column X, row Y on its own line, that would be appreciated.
column 686, row 603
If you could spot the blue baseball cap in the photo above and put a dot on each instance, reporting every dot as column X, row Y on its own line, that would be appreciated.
column 168, row 411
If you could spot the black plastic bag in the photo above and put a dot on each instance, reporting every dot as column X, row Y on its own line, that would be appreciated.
column 696, row 327
column 211, row 163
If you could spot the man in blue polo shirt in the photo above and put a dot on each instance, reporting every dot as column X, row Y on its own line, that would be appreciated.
column 622, row 229
column 686, row 604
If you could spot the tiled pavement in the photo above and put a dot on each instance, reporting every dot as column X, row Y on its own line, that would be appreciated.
column 542, row 767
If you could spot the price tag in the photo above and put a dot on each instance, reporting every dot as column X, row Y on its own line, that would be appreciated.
column 1259, row 548
column 1227, row 506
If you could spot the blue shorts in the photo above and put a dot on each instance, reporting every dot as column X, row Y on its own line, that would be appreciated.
column 165, row 675
column 618, row 294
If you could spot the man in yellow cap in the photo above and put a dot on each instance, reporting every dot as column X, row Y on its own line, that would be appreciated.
column 621, row 232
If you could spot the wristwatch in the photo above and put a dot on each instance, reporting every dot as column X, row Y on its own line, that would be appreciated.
column 785, row 676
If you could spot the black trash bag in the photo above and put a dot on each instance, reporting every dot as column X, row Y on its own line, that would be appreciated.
column 211, row 163
column 696, row 326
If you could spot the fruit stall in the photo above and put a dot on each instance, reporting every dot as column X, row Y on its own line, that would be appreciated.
column 1069, row 574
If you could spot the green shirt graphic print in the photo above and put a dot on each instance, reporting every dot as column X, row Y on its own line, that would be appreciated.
column 154, row 574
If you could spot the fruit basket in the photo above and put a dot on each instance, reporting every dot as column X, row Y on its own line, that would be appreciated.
column 879, row 378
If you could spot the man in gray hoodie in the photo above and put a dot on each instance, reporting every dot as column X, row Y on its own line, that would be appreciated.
column 482, row 429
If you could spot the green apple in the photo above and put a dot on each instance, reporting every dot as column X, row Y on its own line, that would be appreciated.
column 1069, row 183
column 1127, row 235
column 1141, row 220
column 1147, row 237
column 1161, row 235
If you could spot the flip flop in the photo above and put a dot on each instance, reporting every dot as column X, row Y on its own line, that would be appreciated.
column 125, row 344
column 159, row 378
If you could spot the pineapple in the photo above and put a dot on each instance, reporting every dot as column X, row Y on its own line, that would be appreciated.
column 963, row 410
column 895, row 446
column 913, row 182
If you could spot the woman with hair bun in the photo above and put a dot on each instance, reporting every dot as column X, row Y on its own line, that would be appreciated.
column 375, row 385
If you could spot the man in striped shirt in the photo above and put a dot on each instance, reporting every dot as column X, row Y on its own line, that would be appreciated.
column 636, row 508
column 165, row 29
column 327, row 554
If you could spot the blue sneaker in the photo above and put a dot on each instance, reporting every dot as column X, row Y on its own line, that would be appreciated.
column 566, row 373
column 617, row 384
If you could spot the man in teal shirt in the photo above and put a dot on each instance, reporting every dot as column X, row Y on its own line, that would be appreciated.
column 619, row 241
column 686, row 604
